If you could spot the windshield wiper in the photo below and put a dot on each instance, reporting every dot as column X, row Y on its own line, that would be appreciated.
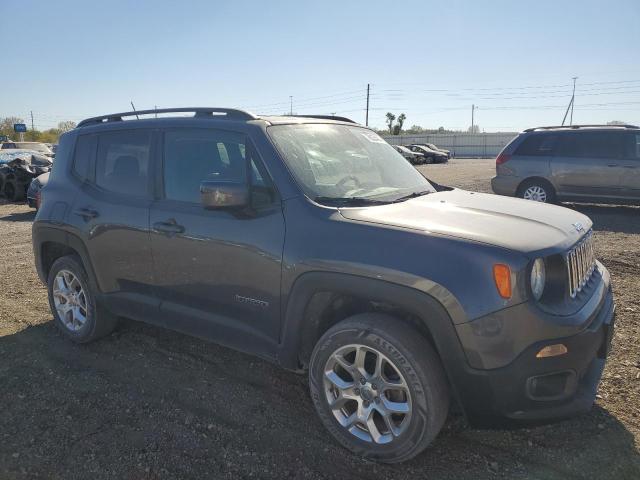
column 412, row 195
column 350, row 201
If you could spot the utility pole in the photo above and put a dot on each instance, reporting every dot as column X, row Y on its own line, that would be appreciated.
column 473, row 109
column 366, row 121
column 134, row 109
column 570, row 106
column 290, row 104
column 573, row 100
column 32, row 129
column 155, row 107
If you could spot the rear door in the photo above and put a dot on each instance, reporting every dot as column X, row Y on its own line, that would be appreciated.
column 588, row 164
column 217, row 272
column 111, row 215
column 631, row 164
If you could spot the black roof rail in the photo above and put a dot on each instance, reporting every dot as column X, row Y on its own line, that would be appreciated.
column 325, row 117
column 230, row 113
column 576, row 127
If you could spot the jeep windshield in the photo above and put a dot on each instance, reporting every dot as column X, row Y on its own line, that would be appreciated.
column 341, row 165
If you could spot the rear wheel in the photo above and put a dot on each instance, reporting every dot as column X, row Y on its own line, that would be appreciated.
column 379, row 388
column 537, row 190
column 73, row 304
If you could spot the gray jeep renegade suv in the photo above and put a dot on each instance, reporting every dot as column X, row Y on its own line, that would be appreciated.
column 310, row 242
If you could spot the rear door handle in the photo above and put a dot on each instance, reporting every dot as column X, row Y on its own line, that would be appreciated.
column 612, row 165
column 86, row 213
column 170, row 227
column 629, row 166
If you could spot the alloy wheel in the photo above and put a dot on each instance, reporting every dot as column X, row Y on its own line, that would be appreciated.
column 535, row 193
column 70, row 300
column 367, row 394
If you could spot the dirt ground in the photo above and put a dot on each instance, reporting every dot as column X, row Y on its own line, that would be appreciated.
column 149, row 403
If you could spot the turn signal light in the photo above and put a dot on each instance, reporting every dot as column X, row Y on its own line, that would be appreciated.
column 502, row 277
column 552, row 351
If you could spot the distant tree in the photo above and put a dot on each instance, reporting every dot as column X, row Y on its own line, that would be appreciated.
column 414, row 129
column 441, row 129
column 474, row 129
column 390, row 118
column 65, row 126
column 6, row 126
column 401, row 118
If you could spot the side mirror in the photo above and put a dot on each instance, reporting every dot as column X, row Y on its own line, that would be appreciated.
column 218, row 194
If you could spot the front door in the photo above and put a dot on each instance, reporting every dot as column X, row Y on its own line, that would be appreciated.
column 587, row 164
column 217, row 272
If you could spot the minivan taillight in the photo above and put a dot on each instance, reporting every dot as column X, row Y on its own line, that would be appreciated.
column 502, row 158
column 38, row 200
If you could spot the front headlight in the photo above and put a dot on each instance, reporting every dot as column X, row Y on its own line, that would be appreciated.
column 538, row 278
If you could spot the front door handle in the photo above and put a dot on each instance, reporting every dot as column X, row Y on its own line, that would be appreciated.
column 86, row 213
column 612, row 165
column 169, row 227
column 629, row 166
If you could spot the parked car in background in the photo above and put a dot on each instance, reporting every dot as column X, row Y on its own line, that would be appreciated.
column 415, row 158
column 39, row 147
column 438, row 149
column 274, row 235
column 17, row 172
column 33, row 192
column 579, row 163
column 431, row 156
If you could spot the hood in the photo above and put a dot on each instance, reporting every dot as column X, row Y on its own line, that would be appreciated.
column 512, row 223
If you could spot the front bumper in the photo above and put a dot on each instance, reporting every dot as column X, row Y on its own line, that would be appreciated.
column 533, row 389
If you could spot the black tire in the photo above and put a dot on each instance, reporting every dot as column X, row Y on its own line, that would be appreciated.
column 429, row 160
column 99, row 322
column 412, row 356
column 537, row 183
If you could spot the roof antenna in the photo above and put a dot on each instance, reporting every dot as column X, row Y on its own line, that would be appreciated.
column 134, row 109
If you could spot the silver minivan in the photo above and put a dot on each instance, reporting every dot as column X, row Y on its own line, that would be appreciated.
column 579, row 163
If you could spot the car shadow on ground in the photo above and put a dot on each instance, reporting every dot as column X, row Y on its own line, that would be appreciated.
column 19, row 217
column 146, row 402
column 611, row 218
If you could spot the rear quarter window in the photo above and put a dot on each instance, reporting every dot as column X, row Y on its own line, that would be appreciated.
column 538, row 145
column 84, row 156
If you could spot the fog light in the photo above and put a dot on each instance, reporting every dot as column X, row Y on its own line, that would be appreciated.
column 552, row 351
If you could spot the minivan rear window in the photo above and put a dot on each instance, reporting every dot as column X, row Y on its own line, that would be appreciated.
column 538, row 145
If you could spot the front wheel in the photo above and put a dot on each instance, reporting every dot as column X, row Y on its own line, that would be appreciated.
column 379, row 388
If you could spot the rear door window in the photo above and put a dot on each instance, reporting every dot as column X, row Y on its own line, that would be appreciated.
column 592, row 145
column 122, row 164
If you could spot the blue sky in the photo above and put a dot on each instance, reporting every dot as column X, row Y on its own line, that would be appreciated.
column 430, row 60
